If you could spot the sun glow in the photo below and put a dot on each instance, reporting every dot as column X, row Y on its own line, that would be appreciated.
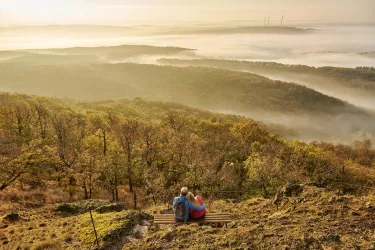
column 121, row 12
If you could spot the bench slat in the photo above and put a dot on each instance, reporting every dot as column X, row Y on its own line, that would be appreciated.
column 224, row 218
column 208, row 218
column 208, row 214
column 221, row 217
column 217, row 216
column 201, row 221
column 190, row 222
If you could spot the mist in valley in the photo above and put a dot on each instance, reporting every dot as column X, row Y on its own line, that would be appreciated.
column 308, row 43
column 325, row 85
column 340, row 46
column 264, row 109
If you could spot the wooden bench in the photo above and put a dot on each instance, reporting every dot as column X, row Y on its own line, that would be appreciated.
column 209, row 218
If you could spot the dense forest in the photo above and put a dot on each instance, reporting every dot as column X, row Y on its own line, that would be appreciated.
column 87, row 149
column 360, row 77
column 213, row 89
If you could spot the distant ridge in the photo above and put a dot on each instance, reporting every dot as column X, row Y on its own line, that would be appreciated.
column 243, row 30
column 152, row 30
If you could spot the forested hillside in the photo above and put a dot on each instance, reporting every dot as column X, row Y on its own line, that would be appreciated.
column 92, row 147
column 214, row 89
column 140, row 153
column 362, row 78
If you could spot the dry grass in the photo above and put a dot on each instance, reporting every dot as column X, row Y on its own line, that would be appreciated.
column 316, row 219
column 44, row 228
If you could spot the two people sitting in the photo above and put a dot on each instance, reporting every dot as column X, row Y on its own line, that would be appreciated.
column 186, row 206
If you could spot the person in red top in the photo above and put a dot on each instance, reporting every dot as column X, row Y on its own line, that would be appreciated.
column 197, row 201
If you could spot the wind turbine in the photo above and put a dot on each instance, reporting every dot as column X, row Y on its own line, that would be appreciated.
column 269, row 21
column 282, row 19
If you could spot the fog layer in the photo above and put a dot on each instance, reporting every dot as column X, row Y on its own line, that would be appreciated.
column 343, row 46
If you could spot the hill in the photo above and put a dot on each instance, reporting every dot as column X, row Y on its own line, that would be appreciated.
column 58, row 155
column 208, row 88
column 239, row 30
column 137, row 30
column 271, row 101
column 121, row 52
column 355, row 85
column 43, row 59
column 366, row 74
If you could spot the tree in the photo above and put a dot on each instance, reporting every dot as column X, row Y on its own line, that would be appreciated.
column 154, row 158
column 264, row 167
column 128, row 135
column 15, row 118
column 20, row 161
column 69, row 131
column 42, row 118
column 91, row 160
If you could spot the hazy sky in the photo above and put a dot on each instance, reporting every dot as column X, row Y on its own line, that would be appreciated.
column 122, row 12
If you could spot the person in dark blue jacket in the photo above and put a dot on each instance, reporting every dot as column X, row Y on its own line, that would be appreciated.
column 188, row 205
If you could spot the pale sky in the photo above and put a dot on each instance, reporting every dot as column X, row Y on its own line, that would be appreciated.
column 123, row 12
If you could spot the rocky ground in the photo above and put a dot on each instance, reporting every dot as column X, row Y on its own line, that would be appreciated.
column 312, row 218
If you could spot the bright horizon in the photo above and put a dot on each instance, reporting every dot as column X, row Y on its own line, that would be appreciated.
column 125, row 12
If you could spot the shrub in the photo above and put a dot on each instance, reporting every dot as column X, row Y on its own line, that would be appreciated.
column 48, row 245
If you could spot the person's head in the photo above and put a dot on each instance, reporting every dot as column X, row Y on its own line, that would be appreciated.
column 184, row 191
column 190, row 198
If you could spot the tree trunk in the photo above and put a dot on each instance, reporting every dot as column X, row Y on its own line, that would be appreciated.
column 71, row 184
column 90, row 186
column 116, row 194
column 129, row 170
column 3, row 186
column 153, row 198
column 115, row 197
column 130, row 184
column 104, row 142
column 265, row 192
column 6, row 184
column 135, row 200
column 85, row 189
